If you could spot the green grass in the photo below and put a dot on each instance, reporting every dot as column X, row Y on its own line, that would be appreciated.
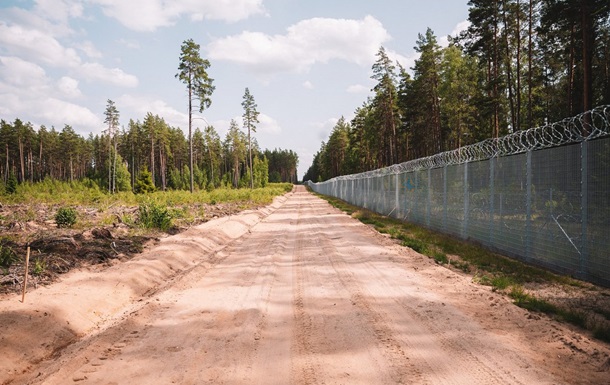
column 87, row 193
column 491, row 269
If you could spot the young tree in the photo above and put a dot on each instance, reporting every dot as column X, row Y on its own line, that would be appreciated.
column 250, row 119
column 112, row 120
column 235, row 147
column 385, row 106
column 192, row 72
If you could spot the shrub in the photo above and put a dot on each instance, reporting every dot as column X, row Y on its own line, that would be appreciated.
column 65, row 217
column 7, row 257
column 153, row 215
column 11, row 184
column 144, row 183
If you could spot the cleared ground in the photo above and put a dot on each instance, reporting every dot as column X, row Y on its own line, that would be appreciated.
column 297, row 293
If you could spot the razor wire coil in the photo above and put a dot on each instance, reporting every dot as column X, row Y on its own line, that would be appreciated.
column 586, row 126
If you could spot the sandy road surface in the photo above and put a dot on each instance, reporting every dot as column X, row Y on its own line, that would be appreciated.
column 300, row 294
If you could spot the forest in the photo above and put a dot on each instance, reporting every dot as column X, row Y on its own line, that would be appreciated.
column 150, row 145
column 520, row 64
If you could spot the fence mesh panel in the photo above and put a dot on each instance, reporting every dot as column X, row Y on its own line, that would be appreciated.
column 546, row 204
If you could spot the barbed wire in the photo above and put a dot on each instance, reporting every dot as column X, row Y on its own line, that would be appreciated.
column 586, row 126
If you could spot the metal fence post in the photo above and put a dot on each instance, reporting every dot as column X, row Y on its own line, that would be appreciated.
column 397, row 205
column 429, row 198
column 584, row 180
column 528, row 206
column 466, row 203
column 445, row 198
column 492, row 177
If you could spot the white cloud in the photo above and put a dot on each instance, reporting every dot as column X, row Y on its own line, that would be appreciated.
column 60, row 112
column 308, row 85
column 143, row 105
column 21, row 73
column 153, row 14
column 59, row 10
column 69, row 87
column 116, row 76
column 358, row 89
column 37, row 45
column 89, row 49
column 306, row 43
column 132, row 44
column 324, row 128
column 461, row 26
column 26, row 92
column 268, row 125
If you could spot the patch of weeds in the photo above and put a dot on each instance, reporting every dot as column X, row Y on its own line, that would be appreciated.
column 603, row 312
column 529, row 302
column 602, row 333
column 575, row 317
column 484, row 280
column 440, row 257
column 153, row 215
column 461, row 265
column 65, row 217
column 501, row 282
column 414, row 244
column 7, row 258
column 40, row 266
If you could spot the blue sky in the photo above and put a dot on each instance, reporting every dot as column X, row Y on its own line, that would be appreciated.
column 306, row 62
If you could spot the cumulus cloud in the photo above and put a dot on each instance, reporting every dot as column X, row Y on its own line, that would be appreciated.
column 60, row 112
column 461, row 26
column 69, row 87
column 144, row 104
column 37, row 45
column 27, row 92
column 358, row 89
column 268, row 125
column 21, row 73
column 116, row 76
column 59, row 10
column 308, row 85
column 88, row 48
column 153, row 14
column 304, row 44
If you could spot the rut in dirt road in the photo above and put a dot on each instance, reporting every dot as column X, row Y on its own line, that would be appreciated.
column 311, row 296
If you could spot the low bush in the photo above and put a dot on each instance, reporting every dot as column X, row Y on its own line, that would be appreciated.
column 65, row 217
column 154, row 215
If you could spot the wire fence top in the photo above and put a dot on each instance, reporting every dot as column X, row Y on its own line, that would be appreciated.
column 586, row 126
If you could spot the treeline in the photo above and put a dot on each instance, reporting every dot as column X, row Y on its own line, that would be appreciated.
column 520, row 64
column 116, row 159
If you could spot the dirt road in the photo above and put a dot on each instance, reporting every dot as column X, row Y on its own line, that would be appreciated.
column 297, row 294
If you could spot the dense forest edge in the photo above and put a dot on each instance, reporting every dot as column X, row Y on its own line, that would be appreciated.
column 520, row 64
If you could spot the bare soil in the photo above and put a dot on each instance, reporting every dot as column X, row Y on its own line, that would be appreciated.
column 99, row 239
column 294, row 293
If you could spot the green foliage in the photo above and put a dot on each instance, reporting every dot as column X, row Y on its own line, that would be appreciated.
column 144, row 183
column 11, row 184
column 154, row 215
column 261, row 172
column 200, row 179
column 501, row 282
column 40, row 266
column 123, row 177
column 275, row 176
column 65, row 217
column 7, row 257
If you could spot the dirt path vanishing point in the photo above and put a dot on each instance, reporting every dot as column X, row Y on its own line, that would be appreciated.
column 297, row 293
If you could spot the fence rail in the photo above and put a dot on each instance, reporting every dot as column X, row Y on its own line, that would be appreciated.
column 541, row 195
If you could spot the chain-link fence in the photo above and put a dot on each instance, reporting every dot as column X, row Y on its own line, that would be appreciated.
column 542, row 195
